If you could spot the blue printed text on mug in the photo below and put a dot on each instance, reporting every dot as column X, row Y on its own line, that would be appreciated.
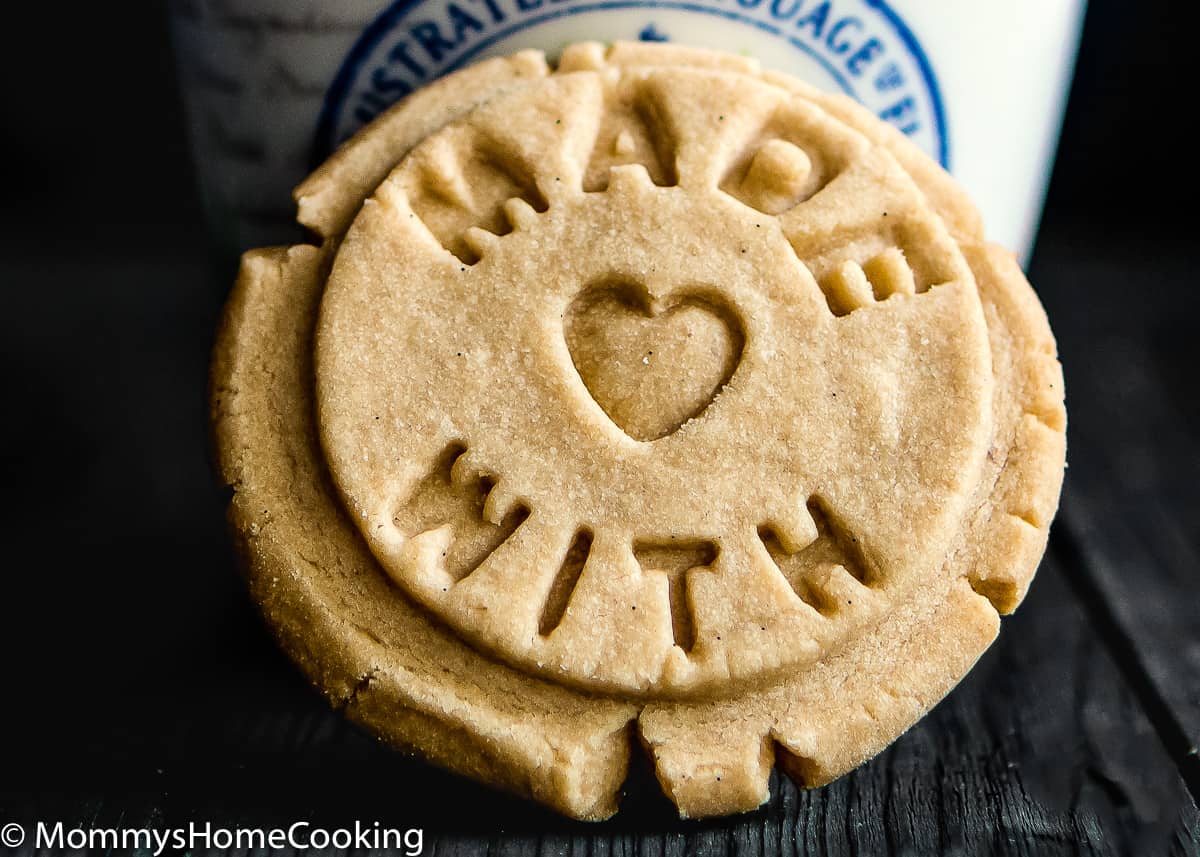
column 859, row 47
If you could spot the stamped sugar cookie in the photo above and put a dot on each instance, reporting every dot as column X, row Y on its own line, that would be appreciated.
column 652, row 403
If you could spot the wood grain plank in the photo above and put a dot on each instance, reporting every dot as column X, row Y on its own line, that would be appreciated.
column 1124, row 316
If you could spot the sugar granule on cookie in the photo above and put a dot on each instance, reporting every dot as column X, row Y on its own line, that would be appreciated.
column 650, row 402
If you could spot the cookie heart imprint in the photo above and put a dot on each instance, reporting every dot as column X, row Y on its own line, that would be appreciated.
column 650, row 367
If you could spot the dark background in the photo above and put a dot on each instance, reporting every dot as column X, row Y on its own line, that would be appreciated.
column 137, row 680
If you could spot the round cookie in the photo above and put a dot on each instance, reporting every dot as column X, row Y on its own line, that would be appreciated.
column 813, row 678
column 743, row 535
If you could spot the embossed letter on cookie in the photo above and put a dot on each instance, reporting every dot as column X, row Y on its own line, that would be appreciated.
column 639, row 380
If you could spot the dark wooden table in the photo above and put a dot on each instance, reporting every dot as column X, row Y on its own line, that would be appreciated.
column 142, row 691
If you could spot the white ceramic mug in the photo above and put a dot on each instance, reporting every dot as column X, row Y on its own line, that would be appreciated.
column 272, row 86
